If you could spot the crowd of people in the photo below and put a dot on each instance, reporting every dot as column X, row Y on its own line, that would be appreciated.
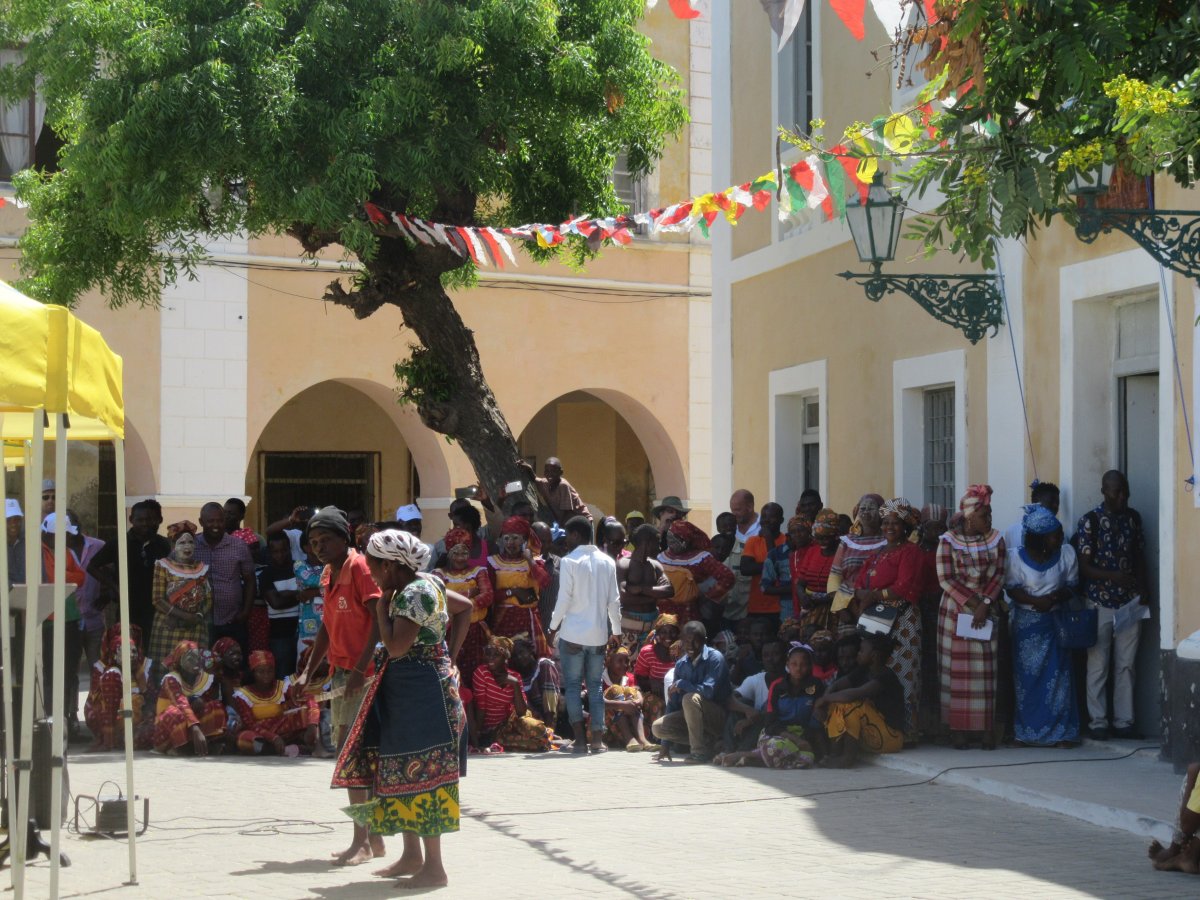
column 782, row 642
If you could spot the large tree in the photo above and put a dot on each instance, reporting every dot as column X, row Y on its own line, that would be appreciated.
column 185, row 120
column 1033, row 90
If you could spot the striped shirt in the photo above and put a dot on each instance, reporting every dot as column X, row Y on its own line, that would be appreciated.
column 494, row 700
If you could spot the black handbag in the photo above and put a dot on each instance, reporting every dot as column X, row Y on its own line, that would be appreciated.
column 878, row 619
column 1077, row 627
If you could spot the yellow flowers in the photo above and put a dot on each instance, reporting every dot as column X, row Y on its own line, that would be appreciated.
column 974, row 176
column 1085, row 158
column 1134, row 97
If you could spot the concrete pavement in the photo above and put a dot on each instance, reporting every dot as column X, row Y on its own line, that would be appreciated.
column 619, row 825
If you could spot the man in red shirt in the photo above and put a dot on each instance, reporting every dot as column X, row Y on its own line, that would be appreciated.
column 348, row 635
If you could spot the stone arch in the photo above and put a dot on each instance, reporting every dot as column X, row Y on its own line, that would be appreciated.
column 665, row 464
column 421, row 444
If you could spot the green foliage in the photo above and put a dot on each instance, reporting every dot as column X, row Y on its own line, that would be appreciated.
column 190, row 119
column 423, row 378
column 1049, row 99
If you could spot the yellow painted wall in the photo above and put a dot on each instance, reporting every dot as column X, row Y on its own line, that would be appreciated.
column 332, row 417
column 804, row 312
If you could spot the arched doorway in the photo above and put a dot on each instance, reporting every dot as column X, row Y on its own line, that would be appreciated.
column 330, row 444
column 610, row 451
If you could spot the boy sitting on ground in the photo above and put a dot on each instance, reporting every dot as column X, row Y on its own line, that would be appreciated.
column 864, row 710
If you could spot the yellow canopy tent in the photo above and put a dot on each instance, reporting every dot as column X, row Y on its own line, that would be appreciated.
column 60, row 381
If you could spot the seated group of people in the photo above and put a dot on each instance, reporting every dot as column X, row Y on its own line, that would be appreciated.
column 203, row 701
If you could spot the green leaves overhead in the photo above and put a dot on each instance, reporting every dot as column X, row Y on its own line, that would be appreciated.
column 185, row 118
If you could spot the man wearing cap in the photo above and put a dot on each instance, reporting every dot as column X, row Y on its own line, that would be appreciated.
column 348, row 635
column 633, row 519
column 231, row 571
column 14, row 534
column 48, row 492
column 667, row 510
column 560, row 500
column 72, row 638
column 409, row 517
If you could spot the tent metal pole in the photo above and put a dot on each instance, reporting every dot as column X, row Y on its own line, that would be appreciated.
column 58, row 640
column 126, row 664
column 32, row 646
column 6, row 667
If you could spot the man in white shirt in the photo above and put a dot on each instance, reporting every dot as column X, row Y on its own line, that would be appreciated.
column 586, row 620
column 748, row 703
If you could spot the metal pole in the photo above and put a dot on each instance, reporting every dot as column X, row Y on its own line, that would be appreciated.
column 126, row 665
column 32, row 646
column 59, row 634
column 6, row 683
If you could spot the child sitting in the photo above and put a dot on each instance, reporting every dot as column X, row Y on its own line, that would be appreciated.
column 622, row 704
column 864, row 710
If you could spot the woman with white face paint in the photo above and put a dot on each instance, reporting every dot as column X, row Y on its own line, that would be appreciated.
column 182, row 595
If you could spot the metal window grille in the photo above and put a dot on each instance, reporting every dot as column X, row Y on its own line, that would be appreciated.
column 939, row 446
column 810, row 439
column 630, row 191
column 345, row 480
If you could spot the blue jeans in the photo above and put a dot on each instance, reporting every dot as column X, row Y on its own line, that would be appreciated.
column 583, row 664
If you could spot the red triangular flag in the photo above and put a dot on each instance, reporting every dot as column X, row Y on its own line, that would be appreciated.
column 851, row 13
column 683, row 9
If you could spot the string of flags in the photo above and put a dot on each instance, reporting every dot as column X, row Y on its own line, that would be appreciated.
column 817, row 184
column 785, row 14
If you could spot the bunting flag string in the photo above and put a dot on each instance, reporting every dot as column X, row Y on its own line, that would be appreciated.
column 816, row 184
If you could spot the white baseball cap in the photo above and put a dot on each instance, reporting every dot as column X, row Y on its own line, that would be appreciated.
column 48, row 484
column 408, row 512
column 12, row 509
column 49, row 522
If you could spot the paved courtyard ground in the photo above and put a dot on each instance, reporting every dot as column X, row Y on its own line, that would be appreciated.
column 616, row 825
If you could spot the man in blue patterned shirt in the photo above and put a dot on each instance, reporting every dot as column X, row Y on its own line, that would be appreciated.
column 1112, row 563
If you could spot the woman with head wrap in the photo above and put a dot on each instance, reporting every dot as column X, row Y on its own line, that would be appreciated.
column 402, row 751
column 189, row 704
column 275, row 713
column 810, row 572
column 181, row 593
column 475, row 583
column 692, row 571
column 970, row 567
column 1041, row 575
column 892, row 576
column 864, row 538
column 499, row 708
column 519, row 578
column 102, row 711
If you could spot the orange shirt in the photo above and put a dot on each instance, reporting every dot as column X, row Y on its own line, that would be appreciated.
column 756, row 548
column 347, row 613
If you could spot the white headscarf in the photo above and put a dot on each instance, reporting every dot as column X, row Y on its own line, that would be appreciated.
column 406, row 549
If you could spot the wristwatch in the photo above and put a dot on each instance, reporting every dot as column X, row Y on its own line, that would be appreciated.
column 987, row 601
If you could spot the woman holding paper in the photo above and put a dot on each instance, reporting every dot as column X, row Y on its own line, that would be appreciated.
column 970, row 568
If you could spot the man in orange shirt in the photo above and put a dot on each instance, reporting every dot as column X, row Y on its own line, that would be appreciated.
column 763, row 605
column 348, row 635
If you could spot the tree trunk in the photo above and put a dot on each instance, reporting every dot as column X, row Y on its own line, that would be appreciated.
column 410, row 277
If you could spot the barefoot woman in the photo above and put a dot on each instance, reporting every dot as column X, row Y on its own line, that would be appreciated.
column 404, row 743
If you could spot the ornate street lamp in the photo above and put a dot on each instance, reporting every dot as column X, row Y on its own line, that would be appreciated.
column 1171, row 236
column 971, row 303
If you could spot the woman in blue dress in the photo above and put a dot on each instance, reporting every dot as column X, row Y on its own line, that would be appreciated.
column 1040, row 576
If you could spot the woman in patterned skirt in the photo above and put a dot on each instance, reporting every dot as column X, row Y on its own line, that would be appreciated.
column 970, row 567
column 892, row 575
column 404, row 743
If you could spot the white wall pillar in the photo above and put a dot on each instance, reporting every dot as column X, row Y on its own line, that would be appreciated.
column 203, row 390
column 1007, row 445
column 722, row 258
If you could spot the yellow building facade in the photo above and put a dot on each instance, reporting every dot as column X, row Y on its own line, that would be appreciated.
column 817, row 387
